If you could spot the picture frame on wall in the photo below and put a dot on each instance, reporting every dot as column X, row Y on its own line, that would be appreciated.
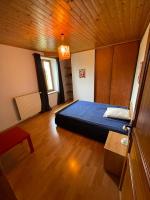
column 82, row 73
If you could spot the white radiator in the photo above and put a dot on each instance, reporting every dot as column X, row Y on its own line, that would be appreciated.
column 28, row 105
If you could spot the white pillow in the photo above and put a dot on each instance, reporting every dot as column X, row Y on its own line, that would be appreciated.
column 118, row 113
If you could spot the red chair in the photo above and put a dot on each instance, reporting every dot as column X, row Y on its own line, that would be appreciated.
column 12, row 137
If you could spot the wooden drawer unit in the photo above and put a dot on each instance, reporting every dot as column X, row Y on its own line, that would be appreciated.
column 114, row 153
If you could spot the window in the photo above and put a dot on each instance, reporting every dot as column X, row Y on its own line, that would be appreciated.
column 48, row 74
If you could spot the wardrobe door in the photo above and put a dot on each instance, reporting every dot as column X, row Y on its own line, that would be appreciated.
column 103, row 65
column 124, row 62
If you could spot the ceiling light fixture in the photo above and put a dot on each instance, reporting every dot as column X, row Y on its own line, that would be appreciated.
column 63, row 50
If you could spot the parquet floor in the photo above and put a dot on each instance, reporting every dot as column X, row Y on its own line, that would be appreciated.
column 64, row 166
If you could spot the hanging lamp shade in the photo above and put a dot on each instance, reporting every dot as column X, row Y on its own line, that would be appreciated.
column 63, row 50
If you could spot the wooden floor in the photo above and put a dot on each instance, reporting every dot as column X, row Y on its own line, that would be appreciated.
column 64, row 166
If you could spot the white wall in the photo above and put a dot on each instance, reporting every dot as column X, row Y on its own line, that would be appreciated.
column 17, row 77
column 83, row 88
column 141, row 56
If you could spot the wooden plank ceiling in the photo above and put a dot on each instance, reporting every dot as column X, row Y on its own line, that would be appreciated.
column 87, row 24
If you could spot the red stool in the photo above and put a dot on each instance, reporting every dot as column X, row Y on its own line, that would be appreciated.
column 12, row 137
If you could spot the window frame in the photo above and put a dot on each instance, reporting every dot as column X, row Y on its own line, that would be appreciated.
column 50, row 68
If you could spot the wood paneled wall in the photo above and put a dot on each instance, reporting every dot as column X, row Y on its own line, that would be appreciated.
column 115, row 67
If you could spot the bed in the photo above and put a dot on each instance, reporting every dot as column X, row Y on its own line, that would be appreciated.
column 87, row 118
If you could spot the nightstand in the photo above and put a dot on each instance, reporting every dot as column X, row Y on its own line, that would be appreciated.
column 114, row 153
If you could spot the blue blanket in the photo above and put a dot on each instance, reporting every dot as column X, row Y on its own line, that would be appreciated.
column 92, row 113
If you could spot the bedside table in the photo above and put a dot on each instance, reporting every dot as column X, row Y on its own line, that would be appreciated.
column 114, row 153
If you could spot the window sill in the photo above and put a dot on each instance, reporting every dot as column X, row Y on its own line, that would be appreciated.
column 52, row 92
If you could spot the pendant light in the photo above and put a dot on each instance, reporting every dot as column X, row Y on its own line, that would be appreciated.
column 63, row 50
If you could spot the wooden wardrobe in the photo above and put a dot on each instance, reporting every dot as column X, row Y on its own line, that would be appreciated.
column 114, row 73
column 136, row 182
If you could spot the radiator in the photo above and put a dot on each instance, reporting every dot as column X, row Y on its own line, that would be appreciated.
column 28, row 105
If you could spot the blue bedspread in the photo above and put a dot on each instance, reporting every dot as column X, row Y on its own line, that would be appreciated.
column 92, row 113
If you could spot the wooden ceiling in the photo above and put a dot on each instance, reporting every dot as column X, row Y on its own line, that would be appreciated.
column 87, row 24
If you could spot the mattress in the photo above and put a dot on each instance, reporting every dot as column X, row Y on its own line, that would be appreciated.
column 87, row 117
